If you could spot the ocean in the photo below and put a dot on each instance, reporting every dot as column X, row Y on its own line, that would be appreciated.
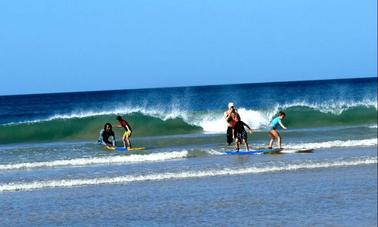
column 53, row 172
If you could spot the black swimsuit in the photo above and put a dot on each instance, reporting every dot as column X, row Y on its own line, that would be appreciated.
column 106, row 135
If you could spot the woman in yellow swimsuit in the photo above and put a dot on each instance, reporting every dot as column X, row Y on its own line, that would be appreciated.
column 128, row 131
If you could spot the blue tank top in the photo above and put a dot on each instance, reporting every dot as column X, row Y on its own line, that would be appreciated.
column 275, row 122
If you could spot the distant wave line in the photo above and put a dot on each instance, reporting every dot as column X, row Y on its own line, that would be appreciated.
column 335, row 143
column 96, row 161
column 67, row 183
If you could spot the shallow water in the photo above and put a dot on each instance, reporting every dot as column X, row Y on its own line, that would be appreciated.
column 184, row 178
column 328, row 187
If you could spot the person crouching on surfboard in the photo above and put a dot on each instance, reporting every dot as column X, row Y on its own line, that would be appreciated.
column 128, row 131
column 105, row 134
column 273, row 133
column 240, row 134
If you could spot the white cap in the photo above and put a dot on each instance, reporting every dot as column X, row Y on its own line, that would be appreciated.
column 231, row 104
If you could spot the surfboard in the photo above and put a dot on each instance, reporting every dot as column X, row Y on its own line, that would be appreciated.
column 252, row 152
column 122, row 149
column 270, row 151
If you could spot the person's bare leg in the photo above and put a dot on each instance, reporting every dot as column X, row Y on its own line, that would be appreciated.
column 124, row 142
column 237, row 144
column 128, row 142
column 273, row 135
column 271, row 143
column 279, row 141
column 246, row 145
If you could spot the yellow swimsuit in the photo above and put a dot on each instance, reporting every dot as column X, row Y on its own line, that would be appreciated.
column 127, row 134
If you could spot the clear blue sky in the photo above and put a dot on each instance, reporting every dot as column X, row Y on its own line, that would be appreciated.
column 59, row 46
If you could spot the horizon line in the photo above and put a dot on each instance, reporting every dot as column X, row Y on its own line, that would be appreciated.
column 189, row 86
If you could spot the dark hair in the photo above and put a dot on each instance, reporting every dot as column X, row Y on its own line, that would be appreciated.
column 281, row 114
column 108, row 124
column 119, row 118
column 238, row 116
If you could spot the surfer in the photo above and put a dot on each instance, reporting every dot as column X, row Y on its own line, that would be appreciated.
column 128, row 131
column 105, row 134
column 241, row 135
column 231, row 116
column 273, row 133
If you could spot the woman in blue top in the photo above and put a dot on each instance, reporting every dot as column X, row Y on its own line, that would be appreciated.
column 273, row 133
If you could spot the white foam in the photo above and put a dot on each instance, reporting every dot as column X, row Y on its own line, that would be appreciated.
column 215, row 123
column 335, row 143
column 98, row 160
column 214, row 152
column 17, row 186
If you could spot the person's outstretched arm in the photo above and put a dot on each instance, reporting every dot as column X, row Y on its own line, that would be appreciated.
column 113, row 139
column 100, row 137
column 249, row 128
column 283, row 126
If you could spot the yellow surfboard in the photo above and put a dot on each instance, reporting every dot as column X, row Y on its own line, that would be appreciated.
column 122, row 149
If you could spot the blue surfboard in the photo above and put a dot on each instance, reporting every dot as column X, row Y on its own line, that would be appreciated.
column 253, row 152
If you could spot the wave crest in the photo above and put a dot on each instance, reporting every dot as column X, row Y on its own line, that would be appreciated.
column 173, row 120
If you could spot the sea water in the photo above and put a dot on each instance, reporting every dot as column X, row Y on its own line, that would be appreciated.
column 52, row 172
